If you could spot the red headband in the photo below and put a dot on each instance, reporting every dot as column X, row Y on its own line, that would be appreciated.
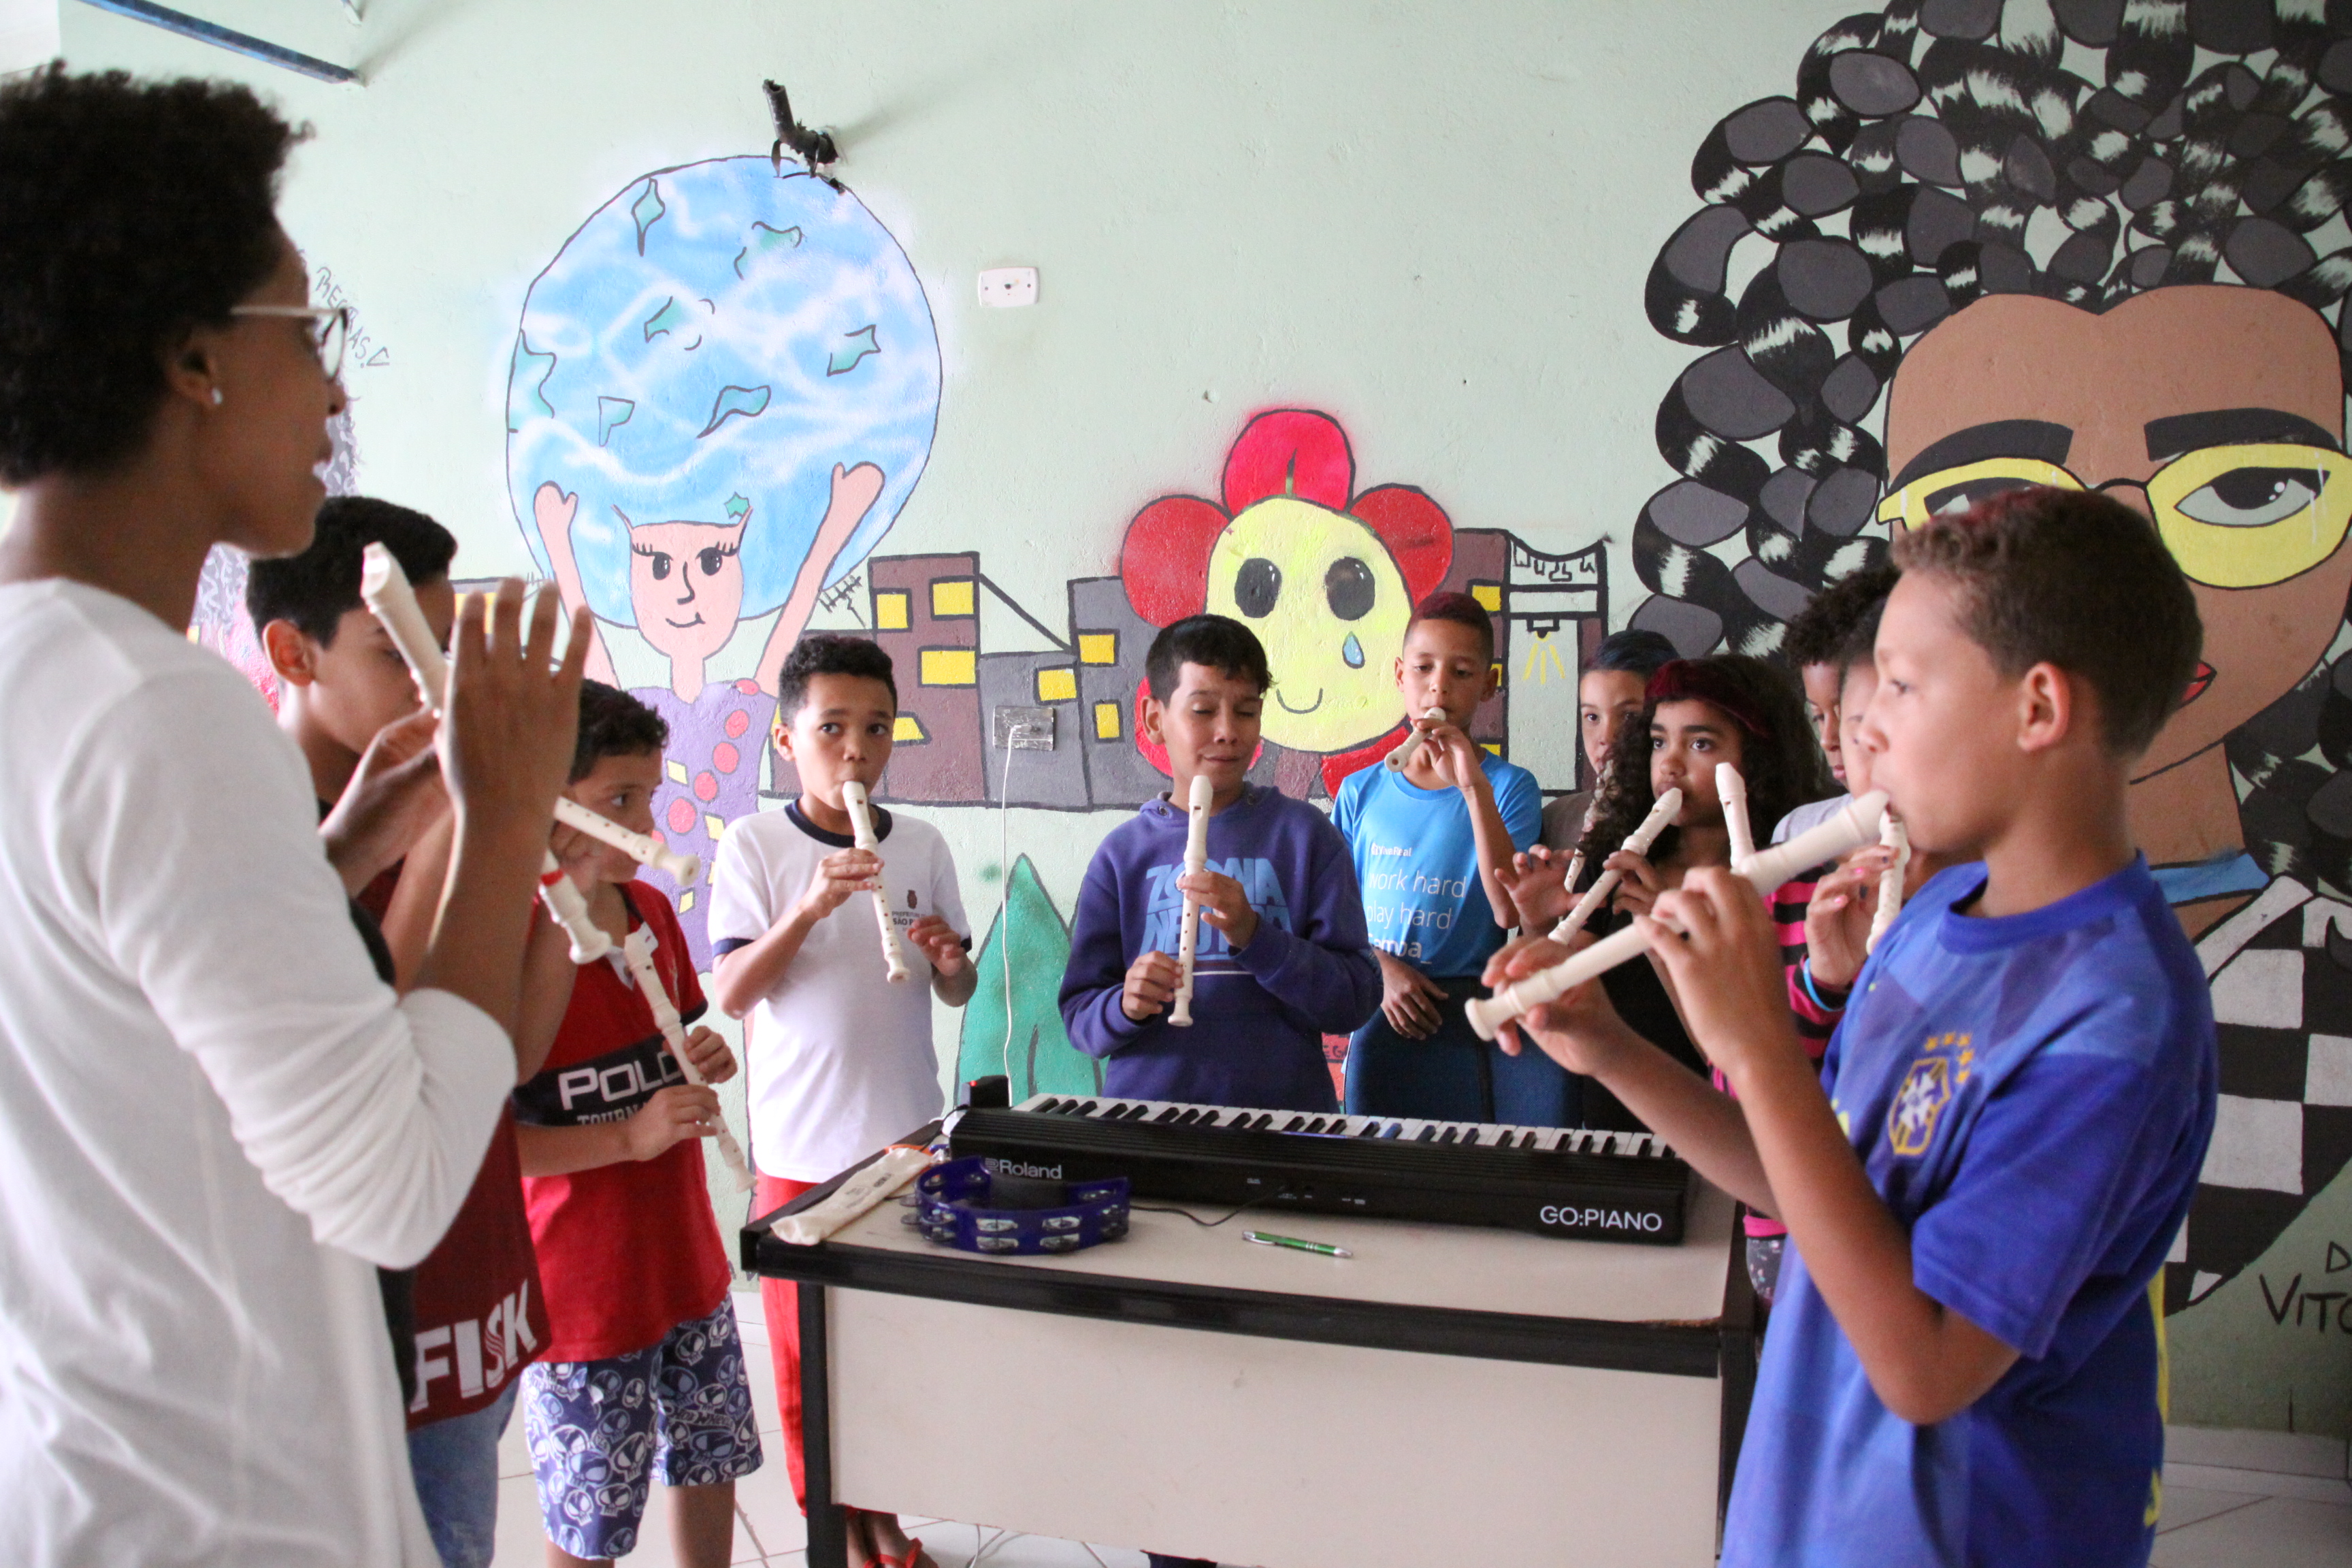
column 1696, row 680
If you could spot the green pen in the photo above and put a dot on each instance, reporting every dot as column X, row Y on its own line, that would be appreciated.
column 1267, row 1238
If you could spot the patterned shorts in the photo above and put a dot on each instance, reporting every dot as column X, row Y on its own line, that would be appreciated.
column 598, row 1429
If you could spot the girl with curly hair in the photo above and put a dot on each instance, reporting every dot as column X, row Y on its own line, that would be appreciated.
column 1697, row 713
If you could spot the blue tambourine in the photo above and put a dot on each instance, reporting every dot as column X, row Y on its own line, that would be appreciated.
column 961, row 1204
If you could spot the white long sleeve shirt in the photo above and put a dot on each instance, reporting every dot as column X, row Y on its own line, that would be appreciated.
column 214, row 1120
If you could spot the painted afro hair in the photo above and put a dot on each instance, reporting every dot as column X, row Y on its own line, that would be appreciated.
column 1937, row 152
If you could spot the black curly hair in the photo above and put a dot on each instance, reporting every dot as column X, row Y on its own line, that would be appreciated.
column 1822, row 632
column 827, row 653
column 1778, row 760
column 131, row 213
column 613, row 723
column 1919, row 165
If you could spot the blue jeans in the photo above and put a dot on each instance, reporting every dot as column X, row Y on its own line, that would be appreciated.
column 457, row 1466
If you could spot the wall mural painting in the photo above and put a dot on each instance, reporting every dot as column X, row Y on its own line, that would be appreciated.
column 723, row 389
column 1325, row 575
column 2079, row 243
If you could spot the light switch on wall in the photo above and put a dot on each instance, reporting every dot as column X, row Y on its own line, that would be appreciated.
column 1007, row 286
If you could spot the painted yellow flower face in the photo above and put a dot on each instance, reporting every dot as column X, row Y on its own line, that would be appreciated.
column 1325, row 598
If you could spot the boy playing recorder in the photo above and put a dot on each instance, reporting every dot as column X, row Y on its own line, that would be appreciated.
column 841, row 1060
column 1282, row 958
column 1966, row 1358
column 1432, row 844
column 644, row 1368
column 474, row 1311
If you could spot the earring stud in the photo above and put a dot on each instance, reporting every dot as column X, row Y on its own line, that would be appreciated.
column 217, row 399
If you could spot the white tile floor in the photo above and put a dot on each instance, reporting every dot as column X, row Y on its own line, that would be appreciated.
column 2231, row 1499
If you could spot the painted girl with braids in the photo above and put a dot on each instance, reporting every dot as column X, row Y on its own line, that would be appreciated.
column 2093, row 244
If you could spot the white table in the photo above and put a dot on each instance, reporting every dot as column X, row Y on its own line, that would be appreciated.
column 1451, row 1395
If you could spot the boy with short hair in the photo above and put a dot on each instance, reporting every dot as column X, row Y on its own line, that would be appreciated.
column 1819, row 645
column 1282, row 957
column 644, row 1365
column 841, row 1060
column 341, row 684
column 473, row 1311
column 1966, row 1360
column 1430, row 844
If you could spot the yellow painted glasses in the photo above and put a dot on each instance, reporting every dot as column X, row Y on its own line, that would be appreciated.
column 2233, row 517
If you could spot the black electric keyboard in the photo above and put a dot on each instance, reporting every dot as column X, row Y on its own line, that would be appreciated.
column 1568, row 1183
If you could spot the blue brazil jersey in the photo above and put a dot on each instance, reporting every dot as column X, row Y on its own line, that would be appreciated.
column 1416, row 856
column 2032, row 1096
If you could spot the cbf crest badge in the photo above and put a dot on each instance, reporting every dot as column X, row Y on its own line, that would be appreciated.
column 1927, row 1089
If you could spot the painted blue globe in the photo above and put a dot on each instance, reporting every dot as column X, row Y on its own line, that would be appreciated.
column 707, row 348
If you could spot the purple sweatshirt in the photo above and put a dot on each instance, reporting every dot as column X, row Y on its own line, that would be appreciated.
column 1259, row 1014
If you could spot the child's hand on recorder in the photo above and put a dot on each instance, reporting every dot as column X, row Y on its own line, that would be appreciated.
column 1837, row 921
column 1641, row 886
column 1722, row 955
column 1150, row 985
column 939, row 942
column 1579, row 1029
column 838, row 876
column 393, row 797
column 674, row 1115
column 1223, row 904
column 706, row 1050
column 1454, row 756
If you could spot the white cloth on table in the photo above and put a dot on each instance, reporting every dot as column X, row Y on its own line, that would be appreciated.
column 214, row 1120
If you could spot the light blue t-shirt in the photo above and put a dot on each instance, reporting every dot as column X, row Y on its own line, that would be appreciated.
column 2032, row 1096
column 1417, row 859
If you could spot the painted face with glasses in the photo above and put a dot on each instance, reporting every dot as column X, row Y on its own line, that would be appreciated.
column 2216, row 411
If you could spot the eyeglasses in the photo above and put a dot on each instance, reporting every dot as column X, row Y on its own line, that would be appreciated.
column 331, row 329
column 2233, row 517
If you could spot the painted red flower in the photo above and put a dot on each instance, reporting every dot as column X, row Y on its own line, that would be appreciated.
column 1164, row 560
column 1326, row 575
